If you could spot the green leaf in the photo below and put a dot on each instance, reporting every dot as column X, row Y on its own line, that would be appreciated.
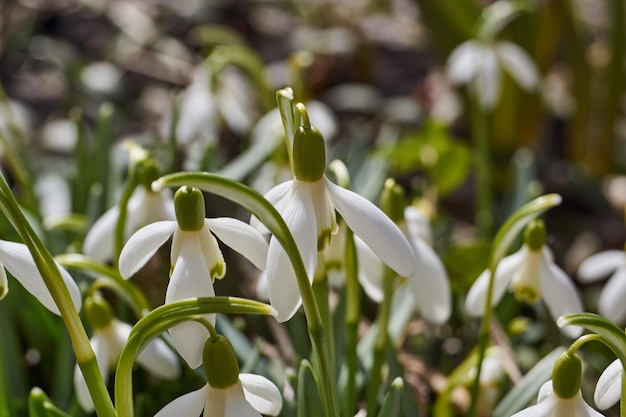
column 308, row 401
column 610, row 334
column 392, row 404
column 39, row 405
column 451, row 169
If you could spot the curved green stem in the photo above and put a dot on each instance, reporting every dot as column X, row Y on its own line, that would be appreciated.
column 353, row 316
column 267, row 214
column 158, row 321
column 482, row 160
column 54, row 282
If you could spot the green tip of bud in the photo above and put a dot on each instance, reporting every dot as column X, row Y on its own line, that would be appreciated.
column 98, row 311
column 535, row 235
column 221, row 367
column 392, row 200
column 309, row 154
column 567, row 375
column 189, row 207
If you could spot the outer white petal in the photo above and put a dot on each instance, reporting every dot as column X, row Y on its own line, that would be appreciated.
column 542, row 409
column 560, row 295
column 236, row 404
column 242, row 237
column 371, row 271
column 262, row 394
column 160, row 360
column 611, row 303
column 102, row 352
column 464, row 62
column 143, row 245
column 517, row 63
column 151, row 207
column 279, row 197
column 609, row 386
column 476, row 297
column 376, row 229
column 281, row 280
column 98, row 242
column 430, row 284
column 190, row 279
column 487, row 83
column 18, row 260
column 190, row 404
column 600, row 265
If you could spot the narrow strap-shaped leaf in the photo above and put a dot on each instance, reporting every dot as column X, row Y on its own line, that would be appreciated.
column 308, row 400
column 39, row 405
column 392, row 404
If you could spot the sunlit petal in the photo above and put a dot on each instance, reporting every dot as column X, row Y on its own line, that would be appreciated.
column 560, row 295
column 371, row 271
column 488, row 79
column 517, row 62
column 376, row 229
column 18, row 260
column 160, row 360
column 142, row 246
column 611, row 303
column 600, row 265
column 236, row 403
column 430, row 284
column 464, row 62
column 609, row 386
column 98, row 242
column 279, row 196
column 190, row 404
column 242, row 237
column 211, row 252
column 102, row 354
column 261, row 393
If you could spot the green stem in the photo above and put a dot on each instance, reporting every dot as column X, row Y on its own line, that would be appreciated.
column 380, row 343
column 54, row 282
column 482, row 160
column 353, row 316
column 120, row 226
column 267, row 214
column 320, row 290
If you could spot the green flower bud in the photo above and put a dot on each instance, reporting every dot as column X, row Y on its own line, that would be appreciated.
column 309, row 150
column 148, row 171
column 98, row 311
column 392, row 200
column 189, row 207
column 535, row 235
column 566, row 375
column 221, row 367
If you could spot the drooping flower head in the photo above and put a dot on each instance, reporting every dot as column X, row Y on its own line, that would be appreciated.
column 195, row 258
column 307, row 204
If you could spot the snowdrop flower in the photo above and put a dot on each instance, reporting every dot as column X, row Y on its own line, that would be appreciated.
column 531, row 274
column 611, row 304
column 478, row 64
column 227, row 393
column 17, row 259
column 195, row 258
column 108, row 341
column 609, row 386
column 307, row 204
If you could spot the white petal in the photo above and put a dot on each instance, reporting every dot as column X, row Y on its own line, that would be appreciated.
column 611, row 303
column 98, row 243
column 190, row 279
column 160, row 360
column 545, row 391
column 417, row 224
column 262, row 394
column 560, row 295
column 18, row 260
column 476, row 297
column 376, row 229
column 600, row 265
column 609, row 386
column 236, row 404
column 151, row 207
column 371, row 271
column 464, row 62
column 430, row 284
column 242, row 237
column 190, row 404
column 487, row 85
column 517, row 62
column 279, row 197
column 212, row 254
column 143, row 245
column 102, row 354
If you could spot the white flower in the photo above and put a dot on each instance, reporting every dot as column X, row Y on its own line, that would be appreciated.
column 17, row 259
column 609, row 386
column 550, row 405
column 107, row 344
column 196, row 261
column 611, row 303
column 531, row 274
column 308, row 208
column 429, row 280
column 144, row 207
column 251, row 396
column 478, row 64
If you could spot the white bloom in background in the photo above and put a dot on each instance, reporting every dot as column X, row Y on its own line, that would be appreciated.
column 531, row 274
column 251, row 396
column 108, row 342
column 479, row 65
column 17, row 259
column 196, row 261
column 611, row 303
column 551, row 405
column 144, row 207
column 609, row 386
